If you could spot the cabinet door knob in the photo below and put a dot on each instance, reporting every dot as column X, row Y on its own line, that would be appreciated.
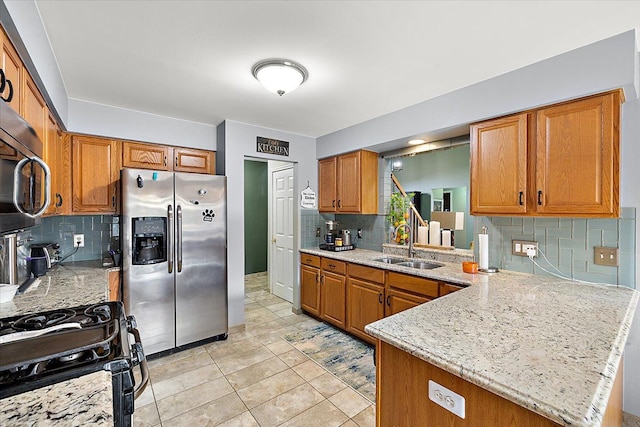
column 520, row 197
column 540, row 197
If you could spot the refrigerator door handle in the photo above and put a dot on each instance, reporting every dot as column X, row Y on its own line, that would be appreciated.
column 169, row 238
column 179, row 237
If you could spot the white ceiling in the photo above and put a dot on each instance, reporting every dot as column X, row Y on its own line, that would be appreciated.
column 192, row 59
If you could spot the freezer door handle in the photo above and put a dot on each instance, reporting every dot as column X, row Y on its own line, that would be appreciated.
column 169, row 239
column 179, row 237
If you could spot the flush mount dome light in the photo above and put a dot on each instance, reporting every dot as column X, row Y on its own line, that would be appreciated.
column 416, row 141
column 280, row 75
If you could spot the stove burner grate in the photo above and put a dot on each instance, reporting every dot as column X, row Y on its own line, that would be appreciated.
column 34, row 322
column 99, row 314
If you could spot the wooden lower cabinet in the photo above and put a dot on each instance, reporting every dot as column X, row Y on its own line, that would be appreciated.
column 332, row 298
column 310, row 289
column 365, row 304
column 402, row 397
column 114, row 286
column 397, row 301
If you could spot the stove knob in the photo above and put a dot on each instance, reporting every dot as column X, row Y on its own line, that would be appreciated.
column 131, row 323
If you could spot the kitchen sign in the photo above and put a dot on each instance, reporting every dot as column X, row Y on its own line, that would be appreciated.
column 272, row 146
column 308, row 198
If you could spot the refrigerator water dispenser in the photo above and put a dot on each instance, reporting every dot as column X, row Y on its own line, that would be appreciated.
column 149, row 240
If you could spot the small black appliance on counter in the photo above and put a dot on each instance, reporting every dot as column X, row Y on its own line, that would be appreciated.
column 41, row 349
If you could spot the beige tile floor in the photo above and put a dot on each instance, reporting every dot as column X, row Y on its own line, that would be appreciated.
column 254, row 378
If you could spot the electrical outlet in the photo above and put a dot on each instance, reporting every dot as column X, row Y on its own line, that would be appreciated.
column 78, row 240
column 317, row 231
column 449, row 400
column 520, row 247
column 603, row 255
column 359, row 233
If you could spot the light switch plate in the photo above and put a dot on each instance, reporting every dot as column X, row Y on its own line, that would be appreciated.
column 603, row 255
column 449, row 400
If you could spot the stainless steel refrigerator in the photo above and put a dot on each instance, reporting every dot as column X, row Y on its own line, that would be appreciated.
column 174, row 256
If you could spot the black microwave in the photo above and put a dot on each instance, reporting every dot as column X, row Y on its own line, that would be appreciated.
column 25, row 183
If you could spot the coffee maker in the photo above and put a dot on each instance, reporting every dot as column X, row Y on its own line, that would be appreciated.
column 149, row 240
column 332, row 232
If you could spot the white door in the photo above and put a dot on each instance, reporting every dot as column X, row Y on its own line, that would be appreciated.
column 281, row 271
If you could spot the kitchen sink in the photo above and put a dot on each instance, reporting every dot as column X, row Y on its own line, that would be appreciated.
column 389, row 260
column 419, row 265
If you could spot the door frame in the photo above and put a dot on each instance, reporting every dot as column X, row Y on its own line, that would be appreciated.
column 274, row 166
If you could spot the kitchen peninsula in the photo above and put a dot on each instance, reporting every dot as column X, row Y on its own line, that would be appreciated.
column 550, row 346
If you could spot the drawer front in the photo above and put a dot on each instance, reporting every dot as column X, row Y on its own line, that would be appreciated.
column 447, row 288
column 334, row 266
column 369, row 274
column 312, row 260
column 414, row 284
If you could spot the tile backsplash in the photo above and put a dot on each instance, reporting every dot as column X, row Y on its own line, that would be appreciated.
column 101, row 233
column 373, row 229
column 567, row 244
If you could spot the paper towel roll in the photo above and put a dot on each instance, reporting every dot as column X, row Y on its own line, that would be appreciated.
column 434, row 233
column 423, row 235
column 483, row 251
column 446, row 237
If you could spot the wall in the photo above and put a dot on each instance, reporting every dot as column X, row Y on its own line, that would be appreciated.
column 105, row 120
column 255, row 225
column 239, row 143
column 101, row 233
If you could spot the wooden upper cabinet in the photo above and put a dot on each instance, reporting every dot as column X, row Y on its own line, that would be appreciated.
column 327, row 184
column 349, row 183
column 562, row 160
column 577, row 157
column 499, row 165
column 194, row 160
column 52, row 142
column 34, row 108
column 13, row 70
column 146, row 156
column 96, row 170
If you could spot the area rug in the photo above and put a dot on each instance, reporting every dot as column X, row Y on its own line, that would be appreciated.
column 347, row 358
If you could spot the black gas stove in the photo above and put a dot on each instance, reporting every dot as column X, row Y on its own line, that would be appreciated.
column 37, row 350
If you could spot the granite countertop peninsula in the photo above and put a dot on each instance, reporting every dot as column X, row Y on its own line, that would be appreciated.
column 552, row 346
column 86, row 400
column 82, row 401
column 66, row 285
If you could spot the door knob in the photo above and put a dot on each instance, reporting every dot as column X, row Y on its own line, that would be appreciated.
column 273, row 240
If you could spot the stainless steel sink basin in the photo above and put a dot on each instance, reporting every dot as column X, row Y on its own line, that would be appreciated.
column 390, row 260
column 420, row 265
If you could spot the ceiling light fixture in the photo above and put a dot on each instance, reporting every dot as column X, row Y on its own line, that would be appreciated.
column 280, row 75
column 416, row 141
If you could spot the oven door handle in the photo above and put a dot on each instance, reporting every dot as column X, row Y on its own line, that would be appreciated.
column 139, row 357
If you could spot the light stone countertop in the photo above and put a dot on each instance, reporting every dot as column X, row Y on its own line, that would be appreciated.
column 82, row 401
column 68, row 285
column 549, row 345
column 86, row 400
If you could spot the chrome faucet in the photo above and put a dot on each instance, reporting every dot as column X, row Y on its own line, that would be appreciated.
column 395, row 234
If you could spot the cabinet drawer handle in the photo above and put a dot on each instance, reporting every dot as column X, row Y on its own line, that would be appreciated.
column 388, row 303
column 520, row 196
column 333, row 203
column 165, row 160
column 380, row 298
column 539, row 197
column 322, row 280
column 339, row 204
column 59, row 200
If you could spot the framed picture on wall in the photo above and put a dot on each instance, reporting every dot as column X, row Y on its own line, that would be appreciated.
column 437, row 205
